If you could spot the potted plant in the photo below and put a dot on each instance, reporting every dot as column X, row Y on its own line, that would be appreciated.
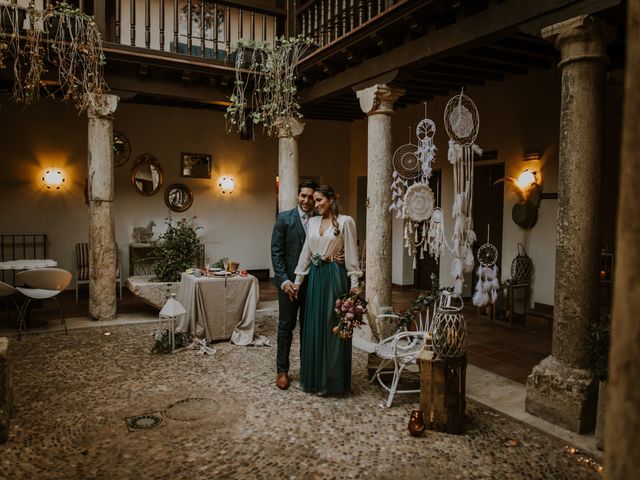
column 599, row 340
column 265, row 89
column 176, row 250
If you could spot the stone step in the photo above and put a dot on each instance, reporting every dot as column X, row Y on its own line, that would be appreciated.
column 541, row 315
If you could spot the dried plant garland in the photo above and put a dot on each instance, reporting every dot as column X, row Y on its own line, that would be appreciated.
column 265, row 89
column 59, row 36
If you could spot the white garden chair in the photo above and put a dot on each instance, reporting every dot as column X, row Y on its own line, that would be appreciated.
column 401, row 349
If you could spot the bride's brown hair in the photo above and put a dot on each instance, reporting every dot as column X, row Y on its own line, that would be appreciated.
column 330, row 193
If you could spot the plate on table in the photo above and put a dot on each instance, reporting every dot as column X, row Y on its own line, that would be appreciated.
column 222, row 273
column 215, row 269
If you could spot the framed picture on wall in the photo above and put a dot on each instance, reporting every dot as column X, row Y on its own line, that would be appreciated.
column 195, row 165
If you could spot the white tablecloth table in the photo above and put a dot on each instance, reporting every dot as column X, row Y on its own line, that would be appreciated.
column 28, row 264
column 222, row 308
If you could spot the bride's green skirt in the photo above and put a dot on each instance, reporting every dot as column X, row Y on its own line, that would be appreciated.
column 325, row 358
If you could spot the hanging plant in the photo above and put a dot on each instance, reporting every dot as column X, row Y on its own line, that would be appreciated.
column 60, row 36
column 265, row 90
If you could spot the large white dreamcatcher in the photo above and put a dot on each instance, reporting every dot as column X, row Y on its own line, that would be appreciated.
column 418, row 206
column 462, row 121
column 407, row 168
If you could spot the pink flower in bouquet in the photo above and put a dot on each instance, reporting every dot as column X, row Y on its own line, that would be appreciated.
column 344, row 308
column 349, row 316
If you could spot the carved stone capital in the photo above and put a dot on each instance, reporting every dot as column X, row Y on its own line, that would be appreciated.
column 289, row 127
column 102, row 105
column 379, row 99
column 582, row 38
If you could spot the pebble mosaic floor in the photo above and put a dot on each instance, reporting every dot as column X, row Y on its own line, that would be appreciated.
column 221, row 416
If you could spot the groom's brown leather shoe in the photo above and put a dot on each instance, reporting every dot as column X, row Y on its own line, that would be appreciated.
column 282, row 382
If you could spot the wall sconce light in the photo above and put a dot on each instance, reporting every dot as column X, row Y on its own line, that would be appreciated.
column 227, row 185
column 53, row 179
column 527, row 188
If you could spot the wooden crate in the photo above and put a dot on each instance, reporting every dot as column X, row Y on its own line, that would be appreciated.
column 442, row 393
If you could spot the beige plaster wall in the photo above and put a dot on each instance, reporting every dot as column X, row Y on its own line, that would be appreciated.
column 238, row 225
column 521, row 114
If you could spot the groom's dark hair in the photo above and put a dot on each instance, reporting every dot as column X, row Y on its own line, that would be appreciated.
column 307, row 184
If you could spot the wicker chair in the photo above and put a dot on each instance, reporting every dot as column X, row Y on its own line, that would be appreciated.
column 82, row 267
column 400, row 348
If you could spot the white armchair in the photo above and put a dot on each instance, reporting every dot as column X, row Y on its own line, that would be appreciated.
column 402, row 348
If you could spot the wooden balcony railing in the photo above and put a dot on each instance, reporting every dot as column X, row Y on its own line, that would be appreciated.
column 327, row 20
column 176, row 25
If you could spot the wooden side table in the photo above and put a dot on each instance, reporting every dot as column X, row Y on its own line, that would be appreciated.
column 508, row 296
column 442, row 393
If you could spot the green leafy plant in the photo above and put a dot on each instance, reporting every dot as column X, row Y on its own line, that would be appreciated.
column 598, row 346
column 265, row 90
column 176, row 250
column 163, row 341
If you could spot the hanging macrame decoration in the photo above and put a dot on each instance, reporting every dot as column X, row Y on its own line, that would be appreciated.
column 407, row 167
column 418, row 207
column 462, row 121
column 425, row 131
column 487, row 287
column 435, row 236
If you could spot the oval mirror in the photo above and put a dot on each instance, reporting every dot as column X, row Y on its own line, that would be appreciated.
column 146, row 175
column 178, row 197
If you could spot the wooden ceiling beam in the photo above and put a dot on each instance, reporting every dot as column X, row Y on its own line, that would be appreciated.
column 483, row 65
column 475, row 30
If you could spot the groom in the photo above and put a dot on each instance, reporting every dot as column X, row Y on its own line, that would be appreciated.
column 287, row 239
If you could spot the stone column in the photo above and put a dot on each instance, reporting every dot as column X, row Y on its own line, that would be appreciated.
column 561, row 389
column 288, row 130
column 102, row 242
column 622, row 440
column 377, row 103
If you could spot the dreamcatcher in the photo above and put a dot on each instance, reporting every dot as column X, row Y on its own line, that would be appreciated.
column 425, row 131
column 487, row 287
column 418, row 207
column 462, row 121
column 407, row 168
column 435, row 236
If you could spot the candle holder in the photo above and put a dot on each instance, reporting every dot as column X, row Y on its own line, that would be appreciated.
column 449, row 328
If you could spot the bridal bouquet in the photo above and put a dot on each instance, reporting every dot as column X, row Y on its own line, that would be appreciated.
column 350, row 310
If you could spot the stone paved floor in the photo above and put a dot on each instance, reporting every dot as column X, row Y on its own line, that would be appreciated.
column 73, row 393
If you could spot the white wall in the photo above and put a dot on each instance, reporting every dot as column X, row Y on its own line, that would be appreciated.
column 238, row 225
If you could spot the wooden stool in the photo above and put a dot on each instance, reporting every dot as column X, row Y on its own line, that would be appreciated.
column 442, row 393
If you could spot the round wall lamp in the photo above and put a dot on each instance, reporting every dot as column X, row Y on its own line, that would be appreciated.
column 53, row 179
column 227, row 185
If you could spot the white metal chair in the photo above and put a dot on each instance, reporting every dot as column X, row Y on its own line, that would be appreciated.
column 402, row 348
column 82, row 267
column 42, row 284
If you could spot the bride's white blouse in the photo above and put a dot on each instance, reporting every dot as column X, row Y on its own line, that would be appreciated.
column 328, row 244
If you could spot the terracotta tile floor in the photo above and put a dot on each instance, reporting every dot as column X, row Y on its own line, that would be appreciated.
column 510, row 351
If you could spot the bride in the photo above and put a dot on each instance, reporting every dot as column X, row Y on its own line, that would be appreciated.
column 325, row 359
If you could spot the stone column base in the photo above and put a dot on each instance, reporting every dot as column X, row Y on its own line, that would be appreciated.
column 562, row 395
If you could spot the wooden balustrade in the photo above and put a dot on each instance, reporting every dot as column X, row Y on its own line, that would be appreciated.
column 176, row 26
column 328, row 20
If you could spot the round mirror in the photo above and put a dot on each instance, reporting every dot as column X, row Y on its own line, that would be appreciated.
column 146, row 175
column 121, row 149
column 178, row 197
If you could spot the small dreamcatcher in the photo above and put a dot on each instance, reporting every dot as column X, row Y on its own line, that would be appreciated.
column 419, row 203
column 435, row 236
column 462, row 121
column 407, row 167
column 487, row 287
column 425, row 131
